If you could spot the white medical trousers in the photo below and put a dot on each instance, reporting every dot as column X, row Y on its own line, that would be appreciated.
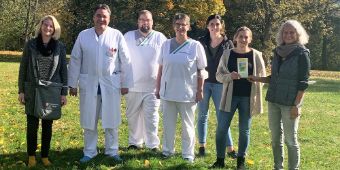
column 143, row 118
column 187, row 111
column 91, row 137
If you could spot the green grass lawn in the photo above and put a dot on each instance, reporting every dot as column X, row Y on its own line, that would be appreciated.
column 319, row 133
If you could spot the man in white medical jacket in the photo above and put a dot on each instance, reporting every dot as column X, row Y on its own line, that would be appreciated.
column 100, row 66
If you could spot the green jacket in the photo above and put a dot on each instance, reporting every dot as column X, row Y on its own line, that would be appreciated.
column 288, row 76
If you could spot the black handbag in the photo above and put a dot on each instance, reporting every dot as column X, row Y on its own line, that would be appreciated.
column 47, row 101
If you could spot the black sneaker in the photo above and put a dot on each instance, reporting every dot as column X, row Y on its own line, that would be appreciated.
column 232, row 154
column 217, row 164
column 189, row 160
column 133, row 147
column 164, row 156
column 201, row 151
column 155, row 149
column 240, row 163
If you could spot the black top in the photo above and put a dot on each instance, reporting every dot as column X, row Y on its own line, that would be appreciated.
column 214, row 55
column 241, row 86
column 45, row 64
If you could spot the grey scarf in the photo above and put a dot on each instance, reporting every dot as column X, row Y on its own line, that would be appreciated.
column 285, row 50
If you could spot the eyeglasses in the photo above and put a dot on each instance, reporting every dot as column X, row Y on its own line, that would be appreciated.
column 178, row 25
column 144, row 20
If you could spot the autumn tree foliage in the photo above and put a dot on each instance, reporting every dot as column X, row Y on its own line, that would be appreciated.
column 321, row 18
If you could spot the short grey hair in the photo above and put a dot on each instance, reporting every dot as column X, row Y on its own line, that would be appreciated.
column 102, row 6
column 181, row 16
column 303, row 37
column 142, row 12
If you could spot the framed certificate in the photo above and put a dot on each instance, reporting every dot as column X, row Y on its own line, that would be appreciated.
column 242, row 67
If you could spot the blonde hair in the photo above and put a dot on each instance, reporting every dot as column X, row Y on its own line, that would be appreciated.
column 56, row 26
column 243, row 28
column 303, row 37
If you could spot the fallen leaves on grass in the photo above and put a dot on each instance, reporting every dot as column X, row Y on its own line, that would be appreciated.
column 10, row 52
column 250, row 162
column 146, row 163
column 325, row 74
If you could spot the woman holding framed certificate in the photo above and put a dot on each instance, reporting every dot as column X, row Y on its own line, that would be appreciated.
column 238, row 93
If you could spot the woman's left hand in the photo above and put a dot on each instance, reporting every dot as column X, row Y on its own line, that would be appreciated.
column 295, row 112
column 199, row 96
column 63, row 100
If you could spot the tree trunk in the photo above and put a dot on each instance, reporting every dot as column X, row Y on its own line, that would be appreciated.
column 324, row 56
column 34, row 16
column 267, row 31
column 28, row 7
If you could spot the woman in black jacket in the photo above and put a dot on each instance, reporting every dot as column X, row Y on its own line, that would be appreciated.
column 214, row 42
column 51, row 61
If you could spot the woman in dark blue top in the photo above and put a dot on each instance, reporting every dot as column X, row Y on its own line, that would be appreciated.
column 214, row 42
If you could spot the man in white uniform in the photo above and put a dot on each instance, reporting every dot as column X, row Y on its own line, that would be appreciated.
column 142, row 105
column 100, row 66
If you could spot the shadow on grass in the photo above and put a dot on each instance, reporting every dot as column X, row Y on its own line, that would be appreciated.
column 10, row 58
column 69, row 159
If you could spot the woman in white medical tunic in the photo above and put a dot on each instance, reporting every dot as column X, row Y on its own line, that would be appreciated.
column 179, row 86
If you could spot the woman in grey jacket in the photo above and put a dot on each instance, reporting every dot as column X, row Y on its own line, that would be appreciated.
column 51, row 60
column 287, row 84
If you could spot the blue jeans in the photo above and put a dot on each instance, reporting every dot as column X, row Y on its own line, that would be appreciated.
column 223, row 124
column 213, row 90
column 283, row 126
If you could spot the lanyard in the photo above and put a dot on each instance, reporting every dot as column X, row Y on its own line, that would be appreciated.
column 180, row 47
column 147, row 38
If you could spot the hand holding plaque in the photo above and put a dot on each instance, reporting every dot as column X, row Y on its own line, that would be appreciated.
column 242, row 67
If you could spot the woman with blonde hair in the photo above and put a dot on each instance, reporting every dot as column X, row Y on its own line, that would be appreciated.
column 287, row 84
column 238, row 93
column 48, row 54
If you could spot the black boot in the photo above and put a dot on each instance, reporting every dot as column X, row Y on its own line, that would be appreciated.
column 201, row 151
column 240, row 163
column 218, row 164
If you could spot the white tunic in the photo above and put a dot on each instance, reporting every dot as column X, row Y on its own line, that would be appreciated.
column 179, row 74
column 144, row 57
column 103, row 61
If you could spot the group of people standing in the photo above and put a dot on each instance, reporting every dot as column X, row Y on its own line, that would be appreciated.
column 183, row 73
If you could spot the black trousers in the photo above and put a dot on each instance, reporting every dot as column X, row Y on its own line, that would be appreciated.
column 32, row 135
